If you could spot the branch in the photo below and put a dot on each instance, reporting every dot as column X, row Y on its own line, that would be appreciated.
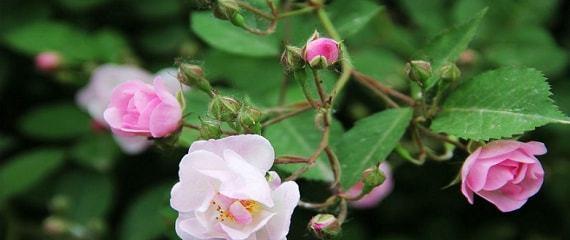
column 376, row 85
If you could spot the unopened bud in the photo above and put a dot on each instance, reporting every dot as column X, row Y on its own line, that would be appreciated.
column 238, row 20
column 250, row 119
column 224, row 108
column 450, row 72
column 372, row 178
column 226, row 9
column 292, row 58
column 321, row 52
column 324, row 226
column 48, row 61
column 210, row 129
column 55, row 226
column 418, row 71
column 193, row 76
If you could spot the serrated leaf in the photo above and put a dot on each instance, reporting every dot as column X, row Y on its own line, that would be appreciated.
column 24, row 171
column 298, row 136
column 89, row 195
column 447, row 46
column 349, row 17
column 369, row 142
column 55, row 122
column 225, row 36
column 143, row 220
column 498, row 104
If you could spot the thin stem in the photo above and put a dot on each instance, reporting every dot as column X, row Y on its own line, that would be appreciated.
column 289, row 159
column 373, row 84
column 286, row 115
column 312, row 159
column 270, row 29
column 381, row 94
column 191, row 126
column 440, row 137
column 327, row 24
column 335, row 165
column 327, row 203
column 419, row 143
column 255, row 10
column 287, row 108
column 343, row 211
column 319, row 84
column 296, row 12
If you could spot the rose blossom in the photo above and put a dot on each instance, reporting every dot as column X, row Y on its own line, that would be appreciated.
column 504, row 172
column 322, row 47
column 95, row 96
column 377, row 194
column 141, row 109
column 223, row 192
column 48, row 61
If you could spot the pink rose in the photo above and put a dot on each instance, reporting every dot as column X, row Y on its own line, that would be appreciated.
column 377, row 194
column 48, row 61
column 141, row 109
column 223, row 192
column 321, row 48
column 504, row 172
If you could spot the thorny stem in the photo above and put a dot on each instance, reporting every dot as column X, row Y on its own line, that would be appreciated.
column 319, row 84
column 286, row 115
column 376, row 85
column 335, row 165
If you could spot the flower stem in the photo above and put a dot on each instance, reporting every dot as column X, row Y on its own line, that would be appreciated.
column 255, row 10
column 319, row 84
column 296, row 12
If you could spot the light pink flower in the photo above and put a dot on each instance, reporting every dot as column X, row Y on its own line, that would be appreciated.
column 96, row 95
column 322, row 47
column 377, row 194
column 504, row 172
column 48, row 61
column 223, row 192
column 141, row 109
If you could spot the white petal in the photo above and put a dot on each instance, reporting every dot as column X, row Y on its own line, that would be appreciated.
column 286, row 198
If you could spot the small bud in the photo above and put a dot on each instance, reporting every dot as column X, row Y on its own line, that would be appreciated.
column 48, row 61
column 59, row 204
column 226, row 9
column 238, row 20
column 468, row 57
column 321, row 52
column 450, row 72
column 324, row 226
column 210, row 129
column 224, row 108
column 55, row 226
column 193, row 76
column 418, row 71
column 292, row 58
column 371, row 178
column 250, row 119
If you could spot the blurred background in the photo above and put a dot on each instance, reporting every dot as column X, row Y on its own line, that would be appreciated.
column 63, row 178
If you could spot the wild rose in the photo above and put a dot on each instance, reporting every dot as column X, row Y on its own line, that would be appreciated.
column 321, row 52
column 377, row 194
column 505, row 173
column 223, row 192
column 96, row 95
column 48, row 61
column 141, row 109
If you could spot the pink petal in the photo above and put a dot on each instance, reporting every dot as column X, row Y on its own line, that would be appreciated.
column 325, row 47
column 133, row 145
column 497, row 177
column 255, row 149
column 501, row 201
column 499, row 147
column 165, row 119
column 240, row 213
column 477, row 175
column 531, row 184
column 189, row 228
column 534, row 148
column 286, row 198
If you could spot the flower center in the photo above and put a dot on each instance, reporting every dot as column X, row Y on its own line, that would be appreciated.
column 236, row 211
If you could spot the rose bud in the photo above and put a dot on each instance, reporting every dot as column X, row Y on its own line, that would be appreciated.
column 292, row 58
column 210, row 129
column 141, row 109
column 193, row 76
column 224, row 108
column 250, row 119
column 504, row 172
column 321, row 52
column 48, row 61
column 377, row 193
column 450, row 72
column 324, row 226
column 418, row 71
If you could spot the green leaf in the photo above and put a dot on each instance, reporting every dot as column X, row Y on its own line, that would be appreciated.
column 144, row 220
column 382, row 65
column 55, row 122
column 96, row 151
column 81, row 5
column 112, row 46
column 89, row 195
column 428, row 15
column 26, row 170
column 498, row 104
column 43, row 36
column 349, row 17
column 447, row 46
column 225, row 36
column 369, row 142
column 299, row 137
